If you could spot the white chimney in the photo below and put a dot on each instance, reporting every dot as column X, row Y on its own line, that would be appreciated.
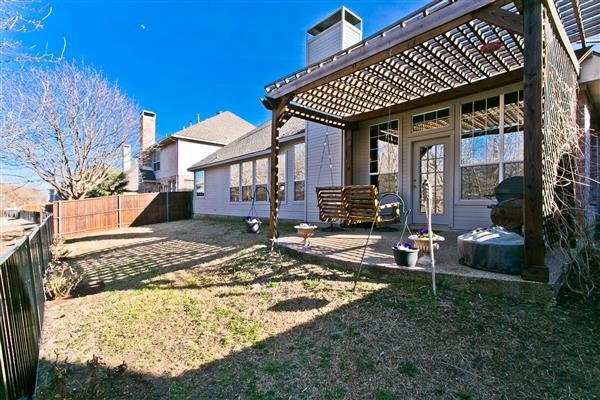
column 126, row 157
column 147, row 129
column 336, row 32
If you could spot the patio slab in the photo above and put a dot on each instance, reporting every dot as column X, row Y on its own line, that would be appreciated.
column 344, row 250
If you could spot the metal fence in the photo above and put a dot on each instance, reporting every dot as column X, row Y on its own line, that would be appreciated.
column 22, row 311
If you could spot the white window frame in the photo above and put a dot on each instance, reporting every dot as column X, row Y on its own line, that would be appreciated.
column 449, row 126
column 196, row 173
column 397, row 149
column 501, row 161
column 293, row 189
column 156, row 160
column 254, row 184
column 239, row 183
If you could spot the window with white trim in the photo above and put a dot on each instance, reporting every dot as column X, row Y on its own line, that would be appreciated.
column 234, row 182
column 281, row 177
column 247, row 181
column 261, row 170
column 491, row 143
column 299, row 171
column 383, row 156
column 156, row 160
column 431, row 120
column 199, row 183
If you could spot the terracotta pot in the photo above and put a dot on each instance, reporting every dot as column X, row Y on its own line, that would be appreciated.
column 423, row 243
column 305, row 232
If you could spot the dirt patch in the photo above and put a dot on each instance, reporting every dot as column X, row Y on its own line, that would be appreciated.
column 202, row 310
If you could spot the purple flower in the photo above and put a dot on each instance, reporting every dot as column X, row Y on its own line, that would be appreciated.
column 404, row 246
column 422, row 231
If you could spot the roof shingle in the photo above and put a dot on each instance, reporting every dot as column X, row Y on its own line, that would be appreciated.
column 222, row 128
column 252, row 142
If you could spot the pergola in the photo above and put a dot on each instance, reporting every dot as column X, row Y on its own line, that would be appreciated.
column 438, row 53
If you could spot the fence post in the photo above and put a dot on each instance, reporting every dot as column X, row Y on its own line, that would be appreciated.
column 168, row 211
column 34, row 304
column 59, row 222
column 119, row 210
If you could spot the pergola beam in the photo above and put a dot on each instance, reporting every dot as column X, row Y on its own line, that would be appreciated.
column 499, row 17
column 394, row 42
column 277, row 117
column 577, row 13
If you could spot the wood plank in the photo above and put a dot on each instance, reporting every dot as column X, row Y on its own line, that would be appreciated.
column 494, row 15
column 533, row 260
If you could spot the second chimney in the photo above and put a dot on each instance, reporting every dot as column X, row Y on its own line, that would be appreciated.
column 147, row 129
column 126, row 157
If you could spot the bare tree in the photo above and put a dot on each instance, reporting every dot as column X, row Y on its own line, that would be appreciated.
column 66, row 122
column 18, row 17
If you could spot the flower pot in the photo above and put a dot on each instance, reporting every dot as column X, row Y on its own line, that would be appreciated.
column 406, row 257
column 305, row 231
column 422, row 243
column 253, row 226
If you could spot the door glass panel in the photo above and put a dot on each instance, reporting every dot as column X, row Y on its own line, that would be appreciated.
column 432, row 168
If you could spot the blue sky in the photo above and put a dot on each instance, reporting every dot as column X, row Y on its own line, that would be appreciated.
column 183, row 58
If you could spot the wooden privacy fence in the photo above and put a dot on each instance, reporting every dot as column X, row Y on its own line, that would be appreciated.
column 78, row 217
column 22, row 270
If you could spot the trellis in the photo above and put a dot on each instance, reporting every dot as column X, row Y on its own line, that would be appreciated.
column 560, row 144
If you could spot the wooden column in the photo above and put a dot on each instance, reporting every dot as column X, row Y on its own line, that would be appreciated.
column 533, row 261
column 348, row 161
column 274, row 183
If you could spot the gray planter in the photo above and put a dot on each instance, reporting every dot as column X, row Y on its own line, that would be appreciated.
column 405, row 257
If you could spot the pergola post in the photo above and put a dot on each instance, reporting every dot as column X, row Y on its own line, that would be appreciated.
column 276, row 115
column 348, row 156
column 533, row 262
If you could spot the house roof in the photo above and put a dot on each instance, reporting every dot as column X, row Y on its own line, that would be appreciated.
column 251, row 144
column 222, row 128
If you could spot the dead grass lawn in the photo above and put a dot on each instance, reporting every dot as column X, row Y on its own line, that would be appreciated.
column 200, row 310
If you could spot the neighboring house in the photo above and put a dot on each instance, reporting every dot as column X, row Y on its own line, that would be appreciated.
column 227, row 180
column 164, row 164
column 465, row 144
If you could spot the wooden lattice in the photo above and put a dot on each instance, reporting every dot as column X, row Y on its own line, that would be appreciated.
column 560, row 140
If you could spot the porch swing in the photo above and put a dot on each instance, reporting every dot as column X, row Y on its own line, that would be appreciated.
column 357, row 204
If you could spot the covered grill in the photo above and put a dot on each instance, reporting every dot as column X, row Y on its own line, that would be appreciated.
column 508, row 212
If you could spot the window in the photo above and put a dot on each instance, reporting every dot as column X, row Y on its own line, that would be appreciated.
column 247, row 181
column 299, row 173
column 491, row 144
column 281, row 177
column 431, row 120
column 156, row 160
column 199, row 183
column 234, row 182
column 383, row 160
column 261, row 169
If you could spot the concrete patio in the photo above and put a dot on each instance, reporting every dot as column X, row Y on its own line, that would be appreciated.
column 344, row 249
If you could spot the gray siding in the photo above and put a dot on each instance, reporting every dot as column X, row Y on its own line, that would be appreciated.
column 216, row 200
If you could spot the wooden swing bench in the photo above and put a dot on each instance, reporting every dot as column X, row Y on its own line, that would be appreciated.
column 356, row 204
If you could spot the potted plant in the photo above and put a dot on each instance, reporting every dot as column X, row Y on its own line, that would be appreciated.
column 252, row 224
column 405, row 254
column 305, row 231
column 421, row 239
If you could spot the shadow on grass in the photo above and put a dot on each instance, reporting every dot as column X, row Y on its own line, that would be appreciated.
column 394, row 343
